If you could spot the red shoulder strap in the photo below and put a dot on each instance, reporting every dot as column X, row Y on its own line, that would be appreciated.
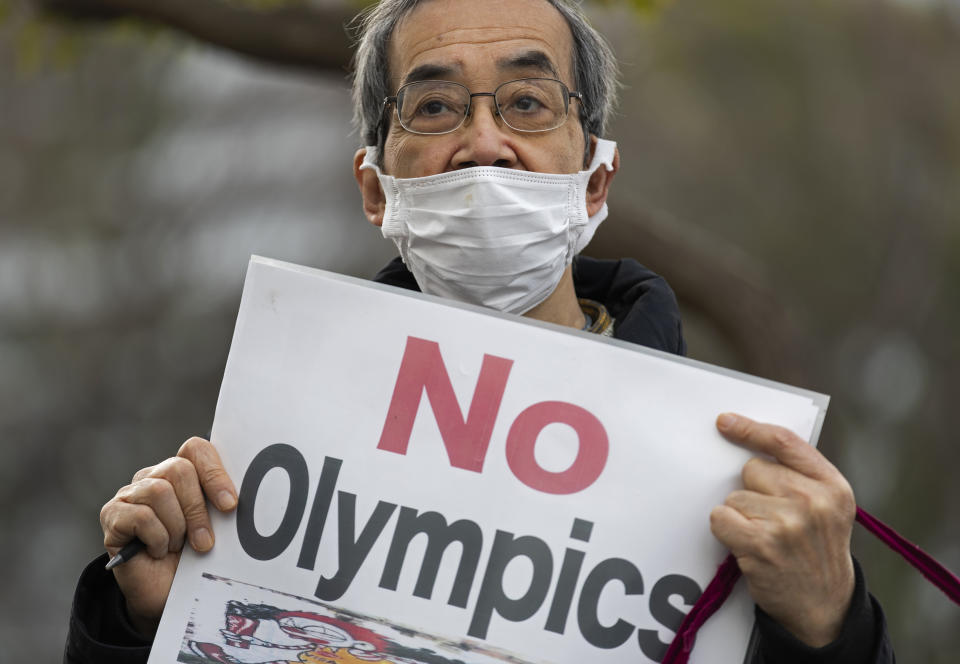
column 936, row 573
column 712, row 598
column 727, row 574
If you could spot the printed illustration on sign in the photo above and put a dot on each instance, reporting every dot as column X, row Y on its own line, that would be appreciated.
column 239, row 623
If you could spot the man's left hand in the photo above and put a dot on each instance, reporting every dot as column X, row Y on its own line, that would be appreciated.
column 790, row 528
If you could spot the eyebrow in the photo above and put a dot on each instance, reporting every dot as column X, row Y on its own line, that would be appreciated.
column 430, row 71
column 530, row 59
column 533, row 59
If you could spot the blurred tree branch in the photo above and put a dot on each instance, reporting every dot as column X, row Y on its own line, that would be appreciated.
column 721, row 283
column 291, row 35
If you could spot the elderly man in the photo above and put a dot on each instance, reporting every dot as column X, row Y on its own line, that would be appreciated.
column 485, row 165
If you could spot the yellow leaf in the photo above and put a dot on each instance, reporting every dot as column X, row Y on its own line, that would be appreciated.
column 643, row 7
column 29, row 47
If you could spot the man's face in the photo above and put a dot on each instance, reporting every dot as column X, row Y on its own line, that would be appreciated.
column 481, row 44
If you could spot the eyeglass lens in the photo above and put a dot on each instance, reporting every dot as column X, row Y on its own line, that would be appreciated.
column 438, row 107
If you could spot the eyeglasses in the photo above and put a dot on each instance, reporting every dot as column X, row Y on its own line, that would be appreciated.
column 440, row 107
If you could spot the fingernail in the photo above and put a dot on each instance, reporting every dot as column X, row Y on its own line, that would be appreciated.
column 225, row 500
column 726, row 421
column 202, row 539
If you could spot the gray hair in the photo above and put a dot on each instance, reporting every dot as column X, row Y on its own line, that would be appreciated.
column 594, row 67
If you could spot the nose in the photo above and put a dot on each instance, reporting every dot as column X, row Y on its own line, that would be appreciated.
column 486, row 140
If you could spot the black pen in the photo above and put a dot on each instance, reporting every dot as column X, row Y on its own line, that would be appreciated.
column 129, row 550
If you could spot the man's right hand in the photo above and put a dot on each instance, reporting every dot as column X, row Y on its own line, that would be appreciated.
column 164, row 506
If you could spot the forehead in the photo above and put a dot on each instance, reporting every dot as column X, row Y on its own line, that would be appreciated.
column 475, row 38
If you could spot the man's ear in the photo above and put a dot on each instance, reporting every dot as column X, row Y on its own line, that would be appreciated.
column 599, row 184
column 374, row 202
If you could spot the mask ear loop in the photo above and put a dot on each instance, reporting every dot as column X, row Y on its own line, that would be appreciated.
column 728, row 573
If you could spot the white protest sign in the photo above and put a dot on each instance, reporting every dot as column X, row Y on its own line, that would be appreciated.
column 429, row 482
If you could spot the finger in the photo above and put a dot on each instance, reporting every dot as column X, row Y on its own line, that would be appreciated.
column 215, row 481
column 757, row 506
column 733, row 529
column 122, row 522
column 775, row 479
column 160, row 496
column 182, row 475
column 143, row 472
column 775, row 441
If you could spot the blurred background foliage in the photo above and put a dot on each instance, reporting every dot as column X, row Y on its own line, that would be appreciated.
column 792, row 167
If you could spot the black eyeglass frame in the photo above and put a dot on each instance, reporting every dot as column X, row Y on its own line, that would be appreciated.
column 568, row 95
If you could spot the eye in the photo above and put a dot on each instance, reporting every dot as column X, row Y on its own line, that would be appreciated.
column 528, row 100
column 431, row 107
column 526, row 104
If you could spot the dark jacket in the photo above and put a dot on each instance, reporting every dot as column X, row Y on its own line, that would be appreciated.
column 645, row 312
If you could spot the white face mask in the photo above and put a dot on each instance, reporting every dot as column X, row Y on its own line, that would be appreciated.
column 492, row 236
